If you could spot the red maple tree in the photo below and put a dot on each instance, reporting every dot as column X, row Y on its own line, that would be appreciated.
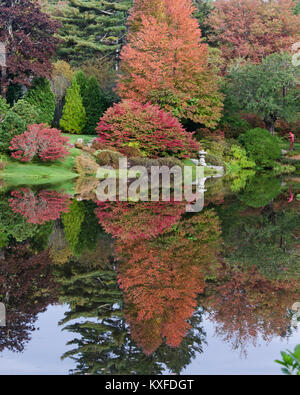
column 166, row 63
column 253, row 29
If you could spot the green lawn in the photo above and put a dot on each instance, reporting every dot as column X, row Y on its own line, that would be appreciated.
column 36, row 173
column 74, row 137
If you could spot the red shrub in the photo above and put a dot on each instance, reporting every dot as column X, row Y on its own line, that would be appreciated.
column 41, row 207
column 154, row 131
column 39, row 140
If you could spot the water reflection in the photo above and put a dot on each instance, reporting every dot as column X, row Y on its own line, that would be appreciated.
column 137, row 277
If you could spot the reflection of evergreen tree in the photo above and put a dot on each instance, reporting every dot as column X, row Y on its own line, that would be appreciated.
column 103, row 344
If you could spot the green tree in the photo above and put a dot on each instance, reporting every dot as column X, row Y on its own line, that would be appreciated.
column 82, row 82
column 91, row 28
column 74, row 117
column 268, row 89
column 41, row 96
column 94, row 103
column 28, row 112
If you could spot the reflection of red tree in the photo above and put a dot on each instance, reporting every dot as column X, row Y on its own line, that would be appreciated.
column 161, row 273
column 26, row 288
column 131, row 221
column 245, row 305
column 41, row 207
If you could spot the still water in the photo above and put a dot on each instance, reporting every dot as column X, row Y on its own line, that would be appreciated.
column 146, row 288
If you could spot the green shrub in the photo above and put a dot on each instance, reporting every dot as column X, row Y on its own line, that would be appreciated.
column 291, row 362
column 261, row 147
column 28, row 112
column 74, row 117
column 11, row 126
column 42, row 98
column 240, row 159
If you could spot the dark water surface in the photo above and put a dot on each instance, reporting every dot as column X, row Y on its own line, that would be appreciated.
column 146, row 288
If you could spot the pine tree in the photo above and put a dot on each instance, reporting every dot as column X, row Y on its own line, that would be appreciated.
column 74, row 116
column 166, row 63
column 41, row 96
column 91, row 28
column 94, row 104
column 82, row 82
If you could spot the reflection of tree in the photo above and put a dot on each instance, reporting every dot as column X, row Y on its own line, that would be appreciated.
column 103, row 344
column 26, row 288
column 133, row 221
column 245, row 305
column 162, row 275
column 40, row 207
column 13, row 225
column 262, row 238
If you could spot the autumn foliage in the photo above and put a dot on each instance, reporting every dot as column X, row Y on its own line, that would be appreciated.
column 253, row 29
column 40, row 207
column 163, row 260
column 30, row 43
column 165, row 62
column 41, row 141
column 156, row 132
column 246, row 306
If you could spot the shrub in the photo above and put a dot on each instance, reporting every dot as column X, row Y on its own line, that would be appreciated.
column 239, row 157
column 11, row 126
column 157, row 132
column 261, row 146
column 41, row 97
column 108, row 158
column 28, row 112
column 45, row 143
column 74, row 117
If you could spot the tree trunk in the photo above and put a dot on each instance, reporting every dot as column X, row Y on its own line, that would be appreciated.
column 270, row 125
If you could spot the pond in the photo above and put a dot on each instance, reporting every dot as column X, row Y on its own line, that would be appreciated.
column 145, row 287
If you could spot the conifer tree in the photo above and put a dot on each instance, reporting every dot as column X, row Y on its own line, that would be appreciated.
column 74, row 117
column 82, row 82
column 91, row 28
column 94, row 104
column 41, row 96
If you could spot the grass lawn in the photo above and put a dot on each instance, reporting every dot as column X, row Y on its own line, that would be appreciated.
column 74, row 137
column 36, row 173
column 286, row 146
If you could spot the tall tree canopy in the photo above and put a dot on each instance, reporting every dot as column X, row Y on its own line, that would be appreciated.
column 165, row 62
column 253, row 29
column 268, row 89
column 28, row 36
column 91, row 28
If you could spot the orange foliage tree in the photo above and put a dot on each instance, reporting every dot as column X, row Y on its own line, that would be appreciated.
column 253, row 29
column 165, row 62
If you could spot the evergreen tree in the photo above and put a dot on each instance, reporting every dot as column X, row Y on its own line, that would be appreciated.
column 74, row 117
column 82, row 82
column 94, row 104
column 91, row 28
column 41, row 97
